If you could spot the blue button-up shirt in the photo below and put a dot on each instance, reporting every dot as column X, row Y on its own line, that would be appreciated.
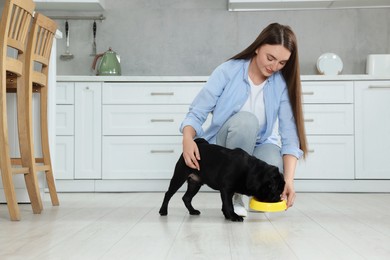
column 227, row 90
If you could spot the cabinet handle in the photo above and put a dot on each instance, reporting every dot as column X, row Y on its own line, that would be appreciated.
column 374, row 86
column 161, row 120
column 311, row 151
column 162, row 93
column 162, row 151
column 308, row 93
column 309, row 120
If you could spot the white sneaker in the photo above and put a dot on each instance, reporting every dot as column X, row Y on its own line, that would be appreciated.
column 238, row 205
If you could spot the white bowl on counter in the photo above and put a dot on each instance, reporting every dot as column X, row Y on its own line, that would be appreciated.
column 378, row 64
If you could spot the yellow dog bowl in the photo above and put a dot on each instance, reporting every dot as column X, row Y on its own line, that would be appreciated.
column 267, row 206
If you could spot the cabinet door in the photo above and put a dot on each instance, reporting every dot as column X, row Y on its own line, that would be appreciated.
column 140, row 157
column 64, row 160
column 328, row 119
column 88, row 117
column 330, row 157
column 372, row 134
column 143, row 119
column 150, row 93
column 327, row 92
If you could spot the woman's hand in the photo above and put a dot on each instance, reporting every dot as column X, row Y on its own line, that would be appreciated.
column 289, row 193
column 190, row 149
column 289, row 163
column 191, row 153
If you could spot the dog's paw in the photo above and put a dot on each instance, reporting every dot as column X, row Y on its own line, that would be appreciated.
column 194, row 212
column 233, row 217
column 163, row 212
column 236, row 218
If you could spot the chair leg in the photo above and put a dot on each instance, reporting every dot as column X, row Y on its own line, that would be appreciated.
column 33, row 192
column 26, row 145
column 5, row 163
column 46, row 148
column 9, row 191
column 52, row 187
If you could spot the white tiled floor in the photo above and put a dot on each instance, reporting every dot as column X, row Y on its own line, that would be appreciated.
column 128, row 226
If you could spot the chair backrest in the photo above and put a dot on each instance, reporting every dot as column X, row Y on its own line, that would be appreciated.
column 14, row 28
column 39, row 48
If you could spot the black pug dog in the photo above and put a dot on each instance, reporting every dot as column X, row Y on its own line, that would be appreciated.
column 229, row 171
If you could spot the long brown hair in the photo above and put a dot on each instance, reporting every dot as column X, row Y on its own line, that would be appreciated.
column 277, row 34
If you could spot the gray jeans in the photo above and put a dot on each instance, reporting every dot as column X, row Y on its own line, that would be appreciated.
column 240, row 131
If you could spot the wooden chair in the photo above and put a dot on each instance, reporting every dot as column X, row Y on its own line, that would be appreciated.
column 14, row 28
column 36, row 81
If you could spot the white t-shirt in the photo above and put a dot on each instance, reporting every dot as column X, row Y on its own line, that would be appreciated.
column 255, row 102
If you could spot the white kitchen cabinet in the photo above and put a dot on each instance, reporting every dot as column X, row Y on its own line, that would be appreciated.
column 372, row 124
column 141, row 138
column 327, row 92
column 142, row 120
column 64, row 158
column 126, row 133
column 140, row 157
column 328, row 115
column 88, row 133
column 141, row 93
column 329, row 157
column 329, row 119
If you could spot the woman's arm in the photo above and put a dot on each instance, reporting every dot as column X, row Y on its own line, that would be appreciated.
column 204, row 102
column 290, row 163
column 288, row 130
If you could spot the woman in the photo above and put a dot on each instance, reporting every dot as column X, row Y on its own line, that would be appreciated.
column 255, row 100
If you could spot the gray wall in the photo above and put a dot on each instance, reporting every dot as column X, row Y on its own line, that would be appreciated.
column 191, row 37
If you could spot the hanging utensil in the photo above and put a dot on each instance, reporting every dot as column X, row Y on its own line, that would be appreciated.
column 67, row 55
column 94, row 39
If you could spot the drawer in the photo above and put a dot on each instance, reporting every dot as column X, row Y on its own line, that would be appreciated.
column 126, row 157
column 150, row 93
column 320, row 92
column 329, row 157
column 64, row 120
column 65, row 93
column 329, row 119
column 144, row 119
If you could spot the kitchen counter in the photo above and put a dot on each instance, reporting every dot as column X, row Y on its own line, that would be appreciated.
column 132, row 78
column 204, row 78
